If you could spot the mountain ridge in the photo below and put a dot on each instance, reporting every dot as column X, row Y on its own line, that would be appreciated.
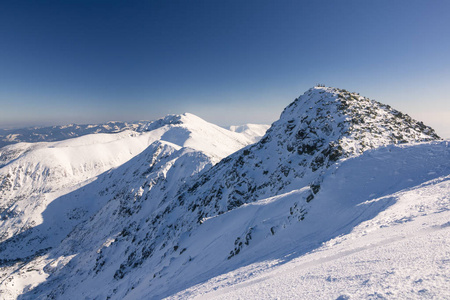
column 182, row 212
column 37, row 134
column 35, row 175
column 58, row 133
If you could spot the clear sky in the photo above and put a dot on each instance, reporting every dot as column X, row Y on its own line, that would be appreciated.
column 229, row 62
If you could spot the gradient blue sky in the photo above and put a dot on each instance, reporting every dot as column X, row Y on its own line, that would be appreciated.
column 229, row 62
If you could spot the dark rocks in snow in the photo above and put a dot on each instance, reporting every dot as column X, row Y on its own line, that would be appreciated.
column 240, row 242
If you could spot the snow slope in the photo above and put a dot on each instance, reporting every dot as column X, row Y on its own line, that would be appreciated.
column 361, row 203
column 198, row 134
column 388, row 204
column 49, row 170
column 336, row 168
column 402, row 253
column 49, row 188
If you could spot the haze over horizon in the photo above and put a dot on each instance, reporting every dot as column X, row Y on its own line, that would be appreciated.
column 227, row 62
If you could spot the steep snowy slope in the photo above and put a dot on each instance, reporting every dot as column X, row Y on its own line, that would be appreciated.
column 47, row 171
column 131, row 190
column 154, row 242
column 368, row 208
column 48, row 188
column 188, row 130
column 353, row 245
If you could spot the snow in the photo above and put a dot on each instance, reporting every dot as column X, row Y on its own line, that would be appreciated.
column 342, row 198
column 394, row 248
column 58, row 133
column 198, row 134
column 385, row 258
column 253, row 131
column 49, row 188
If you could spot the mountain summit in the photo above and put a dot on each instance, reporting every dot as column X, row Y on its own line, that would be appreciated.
column 355, row 123
column 315, row 131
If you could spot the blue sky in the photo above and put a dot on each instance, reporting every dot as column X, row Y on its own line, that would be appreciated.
column 229, row 62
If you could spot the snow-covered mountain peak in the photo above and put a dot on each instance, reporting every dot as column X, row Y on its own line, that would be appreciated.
column 185, row 119
column 188, row 130
column 354, row 114
column 296, row 160
column 167, row 213
column 314, row 133
column 319, row 128
column 334, row 121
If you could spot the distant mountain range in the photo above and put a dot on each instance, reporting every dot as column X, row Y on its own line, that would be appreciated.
column 59, row 133
column 342, row 198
